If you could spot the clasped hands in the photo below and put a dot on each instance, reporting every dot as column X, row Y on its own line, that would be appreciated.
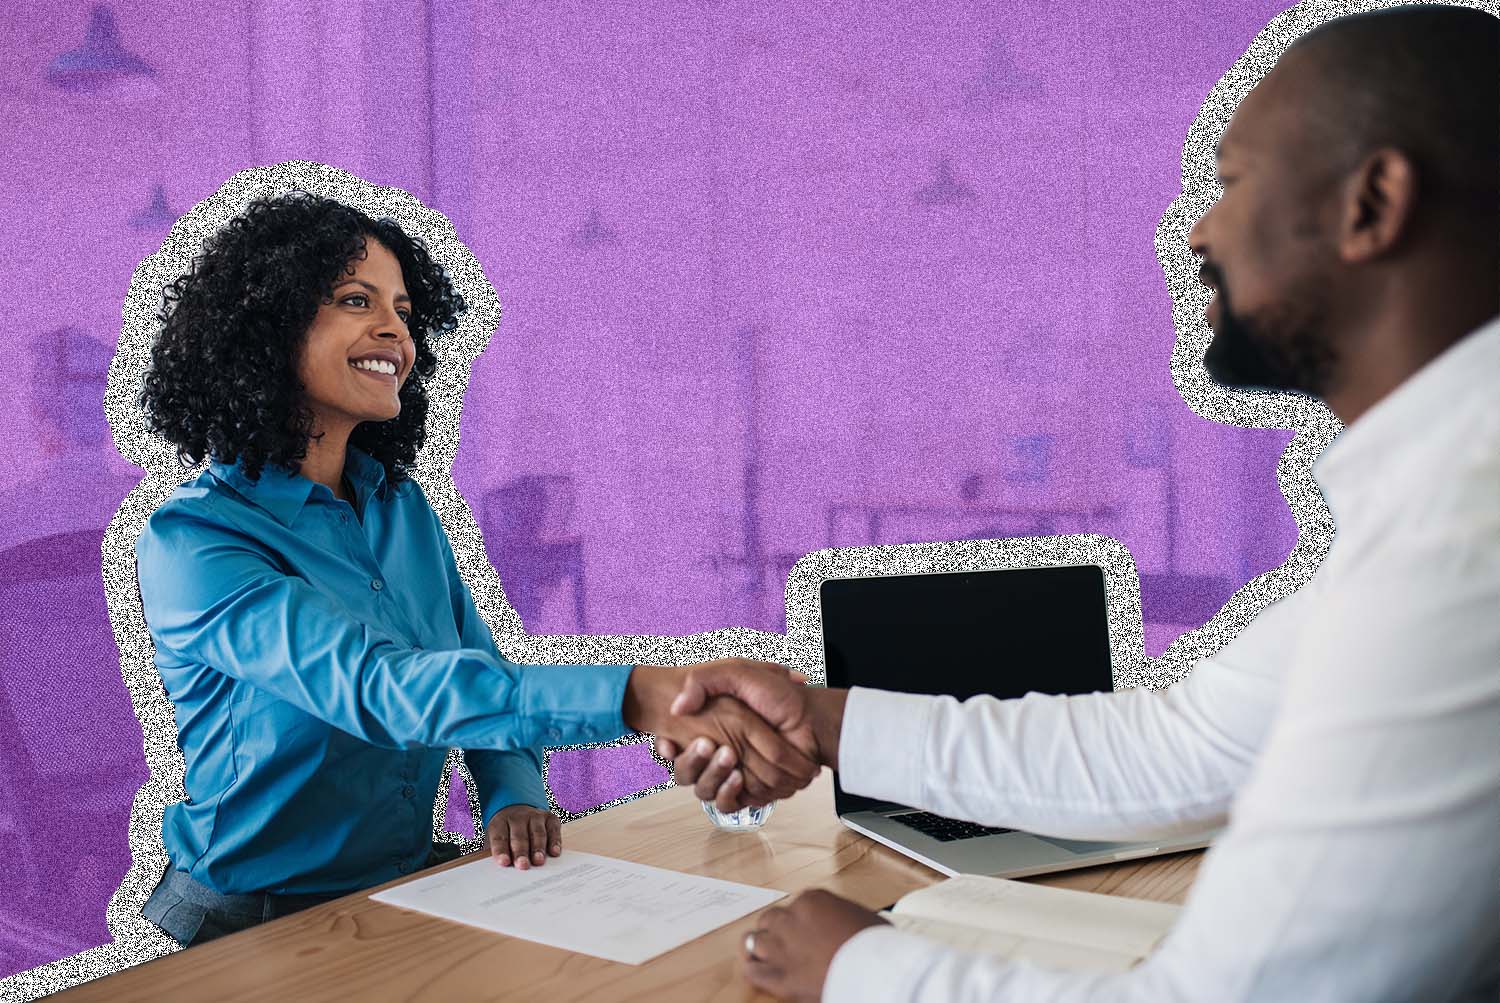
column 758, row 713
column 741, row 732
column 755, row 711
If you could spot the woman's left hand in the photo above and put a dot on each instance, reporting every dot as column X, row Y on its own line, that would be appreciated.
column 525, row 835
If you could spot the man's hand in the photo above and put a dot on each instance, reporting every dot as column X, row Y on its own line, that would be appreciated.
column 772, row 766
column 809, row 717
column 525, row 835
column 795, row 945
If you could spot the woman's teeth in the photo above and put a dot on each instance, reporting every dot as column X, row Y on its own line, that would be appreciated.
column 375, row 366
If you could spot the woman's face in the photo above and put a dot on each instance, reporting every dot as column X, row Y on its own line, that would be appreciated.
column 358, row 350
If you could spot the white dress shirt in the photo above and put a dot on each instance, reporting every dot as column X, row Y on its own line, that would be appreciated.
column 1350, row 735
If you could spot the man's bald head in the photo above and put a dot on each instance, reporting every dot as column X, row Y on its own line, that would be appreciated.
column 1358, row 233
column 1421, row 79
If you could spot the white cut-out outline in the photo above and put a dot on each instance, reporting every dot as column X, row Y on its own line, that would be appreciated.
column 137, row 940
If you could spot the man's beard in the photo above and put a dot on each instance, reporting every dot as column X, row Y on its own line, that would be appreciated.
column 1282, row 349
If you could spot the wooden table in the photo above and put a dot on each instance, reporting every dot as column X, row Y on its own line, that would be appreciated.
column 353, row 948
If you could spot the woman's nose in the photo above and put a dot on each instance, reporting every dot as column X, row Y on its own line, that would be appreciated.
column 392, row 328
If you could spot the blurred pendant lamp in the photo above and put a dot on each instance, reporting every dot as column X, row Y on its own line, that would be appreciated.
column 102, row 66
column 945, row 188
column 595, row 231
column 157, row 217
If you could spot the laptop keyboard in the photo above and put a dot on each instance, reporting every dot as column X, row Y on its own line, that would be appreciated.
column 945, row 829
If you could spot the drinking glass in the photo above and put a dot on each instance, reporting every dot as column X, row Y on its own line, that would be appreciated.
column 744, row 820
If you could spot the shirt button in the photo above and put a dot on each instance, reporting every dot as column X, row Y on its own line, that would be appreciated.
column 404, row 867
column 408, row 791
column 343, row 517
column 554, row 734
column 376, row 584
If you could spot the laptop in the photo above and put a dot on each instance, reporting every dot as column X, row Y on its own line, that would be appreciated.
column 1006, row 633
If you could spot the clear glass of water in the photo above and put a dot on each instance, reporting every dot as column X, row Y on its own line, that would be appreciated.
column 744, row 820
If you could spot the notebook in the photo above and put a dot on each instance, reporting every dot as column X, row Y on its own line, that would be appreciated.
column 1053, row 927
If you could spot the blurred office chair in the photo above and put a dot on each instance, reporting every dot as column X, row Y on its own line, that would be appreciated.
column 1175, row 603
column 525, row 523
column 70, row 751
column 527, row 529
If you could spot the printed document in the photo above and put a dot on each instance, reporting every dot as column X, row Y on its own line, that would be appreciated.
column 582, row 902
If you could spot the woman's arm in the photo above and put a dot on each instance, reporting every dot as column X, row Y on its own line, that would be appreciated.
column 215, row 596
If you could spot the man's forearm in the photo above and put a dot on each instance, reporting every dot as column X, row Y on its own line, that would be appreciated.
column 827, row 709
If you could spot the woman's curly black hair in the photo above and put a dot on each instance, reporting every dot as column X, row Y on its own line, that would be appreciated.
column 223, row 378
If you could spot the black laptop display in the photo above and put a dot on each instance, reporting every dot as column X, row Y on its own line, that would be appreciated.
column 1006, row 633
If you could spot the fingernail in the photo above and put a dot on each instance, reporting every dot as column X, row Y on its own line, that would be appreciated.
column 725, row 756
column 556, row 849
column 522, row 863
column 702, row 747
column 504, row 859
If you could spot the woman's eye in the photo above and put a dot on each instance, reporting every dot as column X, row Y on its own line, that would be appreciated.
column 405, row 316
column 363, row 300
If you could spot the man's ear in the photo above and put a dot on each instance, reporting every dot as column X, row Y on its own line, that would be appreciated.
column 1379, row 200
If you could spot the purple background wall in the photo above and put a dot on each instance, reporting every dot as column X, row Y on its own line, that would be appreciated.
column 772, row 281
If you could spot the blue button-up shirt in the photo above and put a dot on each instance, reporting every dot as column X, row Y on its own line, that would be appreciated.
column 321, row 660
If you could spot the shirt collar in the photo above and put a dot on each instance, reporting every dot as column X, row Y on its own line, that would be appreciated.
column 1410, row 414
column 283, row 493
column 363, row 470
column 365, row 473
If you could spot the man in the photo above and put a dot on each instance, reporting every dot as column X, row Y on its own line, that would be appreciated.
column 1351, row 733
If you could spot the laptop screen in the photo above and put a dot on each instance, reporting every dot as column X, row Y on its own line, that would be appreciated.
column 1006, row 633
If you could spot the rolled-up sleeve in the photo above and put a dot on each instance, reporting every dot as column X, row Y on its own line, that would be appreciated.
column 215, row 596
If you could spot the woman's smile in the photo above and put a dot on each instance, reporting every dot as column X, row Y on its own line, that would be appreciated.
column 382, row 366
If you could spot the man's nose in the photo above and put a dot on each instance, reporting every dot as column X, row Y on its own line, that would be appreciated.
column 1198, row 235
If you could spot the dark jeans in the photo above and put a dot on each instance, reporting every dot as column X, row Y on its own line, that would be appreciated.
column 192, row 913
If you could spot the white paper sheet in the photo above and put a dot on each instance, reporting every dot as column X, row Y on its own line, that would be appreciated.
column 582, row 902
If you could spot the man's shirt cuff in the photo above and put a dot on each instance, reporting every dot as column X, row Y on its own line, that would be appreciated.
column 878, row 963
column 883, row 745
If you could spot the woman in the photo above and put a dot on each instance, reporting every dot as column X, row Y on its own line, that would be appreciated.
column 311, row 628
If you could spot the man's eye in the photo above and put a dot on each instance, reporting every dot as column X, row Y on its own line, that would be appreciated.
column 405, row 316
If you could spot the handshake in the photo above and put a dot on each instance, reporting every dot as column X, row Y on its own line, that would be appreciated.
column 741, row 732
